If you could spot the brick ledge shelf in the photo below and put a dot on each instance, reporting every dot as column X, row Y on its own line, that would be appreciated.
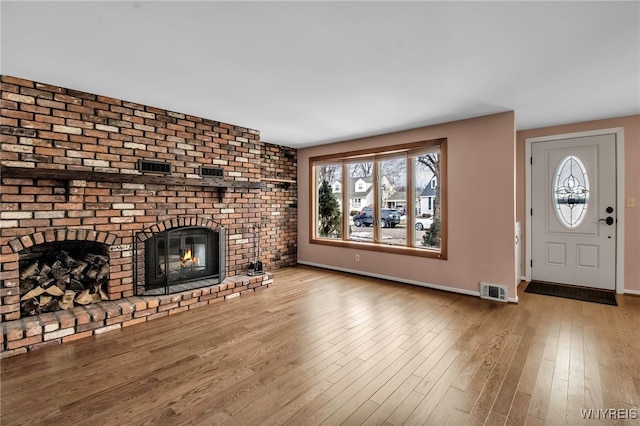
column 53, row 328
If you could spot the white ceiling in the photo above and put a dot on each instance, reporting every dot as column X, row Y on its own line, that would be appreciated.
column 308, row 73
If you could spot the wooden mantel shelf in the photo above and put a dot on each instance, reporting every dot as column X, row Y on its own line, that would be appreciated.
column 279, row 180
column 55, row 174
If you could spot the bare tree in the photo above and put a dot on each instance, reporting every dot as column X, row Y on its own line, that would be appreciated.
column 361, row 169
column 395, row 170
column 329, row 173
column 432, row 162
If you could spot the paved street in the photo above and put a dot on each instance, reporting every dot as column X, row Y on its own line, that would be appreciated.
column 395, row 235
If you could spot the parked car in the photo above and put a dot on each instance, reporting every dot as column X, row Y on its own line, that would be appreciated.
column 389, row 218
column 423, row 223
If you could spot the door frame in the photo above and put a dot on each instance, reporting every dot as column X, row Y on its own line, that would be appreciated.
column 620, row 206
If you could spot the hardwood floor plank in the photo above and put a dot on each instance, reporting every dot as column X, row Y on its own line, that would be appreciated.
column 327, row 347
column 386, row 408
column 496, row 419
column 563, row 352
column 592, row 385
column 507, row 392
column 539, row 404
column 470, row 369
column 398, row 380
column 534, row 421
column 360, row 414
column 351, row 390
column 482, row 407
column 490, row 357
column 439, row 368
column 303, row 415
column 576, row 390
column 458, row 418
column 577, row 342
column 427, row 405
column 550, row 349
column 557, row 412
column 611, row 396
column 624, row 362
column 291, row 391
column 636, row 384
column 404, row 409
column 444, row 408
column 519, row 408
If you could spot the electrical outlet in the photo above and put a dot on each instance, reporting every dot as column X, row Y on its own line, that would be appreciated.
column 631, row 202
column 357, row 258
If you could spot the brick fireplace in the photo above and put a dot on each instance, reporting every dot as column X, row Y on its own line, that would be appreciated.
column 132, row 181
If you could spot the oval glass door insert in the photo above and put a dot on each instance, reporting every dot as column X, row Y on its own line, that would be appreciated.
column 571, row 192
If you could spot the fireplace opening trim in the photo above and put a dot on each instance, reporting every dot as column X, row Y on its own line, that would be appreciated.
column 179, row 258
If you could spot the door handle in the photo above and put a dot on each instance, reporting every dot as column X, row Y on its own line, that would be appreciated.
column 608, row 220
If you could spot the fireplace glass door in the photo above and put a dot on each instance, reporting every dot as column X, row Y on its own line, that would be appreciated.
column 187, row 257
column 182, row 255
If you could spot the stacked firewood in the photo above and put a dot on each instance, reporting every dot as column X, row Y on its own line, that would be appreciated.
column 60, row 281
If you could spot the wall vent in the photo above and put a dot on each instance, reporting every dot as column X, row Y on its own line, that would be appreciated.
column 154, row 166
column 493, row 292
column 211, row 171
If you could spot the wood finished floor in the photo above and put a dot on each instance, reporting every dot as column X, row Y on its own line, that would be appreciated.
column 322, row 347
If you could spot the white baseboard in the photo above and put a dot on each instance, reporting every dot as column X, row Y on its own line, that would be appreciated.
column 401, row 280
column 635, row 292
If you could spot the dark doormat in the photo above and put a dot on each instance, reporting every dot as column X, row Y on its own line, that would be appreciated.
column 571, row 292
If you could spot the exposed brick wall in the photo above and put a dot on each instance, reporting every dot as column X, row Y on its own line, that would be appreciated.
column 279, row 206
column 50, row 127
column 60, row 128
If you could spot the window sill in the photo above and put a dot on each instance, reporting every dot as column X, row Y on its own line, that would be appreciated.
column 406, row 251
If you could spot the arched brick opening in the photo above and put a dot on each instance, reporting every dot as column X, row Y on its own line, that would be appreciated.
column 59, row 235
column 168, row 224
column 47, row 243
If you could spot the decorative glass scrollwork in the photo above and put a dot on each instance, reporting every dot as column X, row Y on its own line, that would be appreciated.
column 571, row 192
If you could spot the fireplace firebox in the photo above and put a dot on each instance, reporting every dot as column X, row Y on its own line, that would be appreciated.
column 182, row 258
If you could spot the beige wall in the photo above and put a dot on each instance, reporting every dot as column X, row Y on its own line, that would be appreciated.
column 481, row 197
column 631, row 125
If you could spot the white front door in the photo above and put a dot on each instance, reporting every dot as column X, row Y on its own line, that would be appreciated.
column 573, row 215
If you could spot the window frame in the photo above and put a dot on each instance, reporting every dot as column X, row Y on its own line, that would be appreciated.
column 410, row 150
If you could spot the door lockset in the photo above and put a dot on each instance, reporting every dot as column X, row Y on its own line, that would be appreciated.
column 608, row 220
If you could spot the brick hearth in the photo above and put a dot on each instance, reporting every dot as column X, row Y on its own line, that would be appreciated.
column 52, row 328
column 70, row 172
